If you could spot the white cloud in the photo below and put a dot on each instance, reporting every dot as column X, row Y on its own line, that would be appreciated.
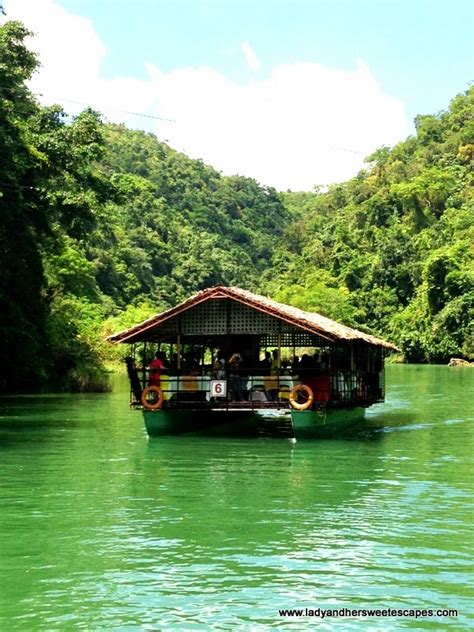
column 71, row 55
column 303, row 124
column 250, row 57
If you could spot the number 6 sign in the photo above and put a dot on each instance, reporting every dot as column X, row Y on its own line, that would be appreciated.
column 218, row 388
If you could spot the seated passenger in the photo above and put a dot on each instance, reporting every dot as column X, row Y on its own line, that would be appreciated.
column 174, row 363
column 218, row 371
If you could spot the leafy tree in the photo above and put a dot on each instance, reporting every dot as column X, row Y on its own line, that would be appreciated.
column 47, row 192
column 99, row 223
column 397, row 239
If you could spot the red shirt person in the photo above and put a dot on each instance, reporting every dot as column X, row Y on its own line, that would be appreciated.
column 156, row 366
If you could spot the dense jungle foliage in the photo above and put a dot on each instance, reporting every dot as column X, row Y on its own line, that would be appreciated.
column 102, row 226
column 392, row 248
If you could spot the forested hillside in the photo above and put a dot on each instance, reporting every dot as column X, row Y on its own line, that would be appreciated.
column 100, row 221
column 178, row 224
column 101, row 226
column 392, row 249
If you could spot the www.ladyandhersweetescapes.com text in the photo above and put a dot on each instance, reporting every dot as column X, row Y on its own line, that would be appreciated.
column 323, row 613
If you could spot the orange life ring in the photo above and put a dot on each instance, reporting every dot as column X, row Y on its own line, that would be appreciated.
column 159, row 400
column 294, row 393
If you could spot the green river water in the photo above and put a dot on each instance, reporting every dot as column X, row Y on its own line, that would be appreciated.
column 101, row 528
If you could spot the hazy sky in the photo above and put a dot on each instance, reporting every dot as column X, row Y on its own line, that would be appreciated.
column 294, row 93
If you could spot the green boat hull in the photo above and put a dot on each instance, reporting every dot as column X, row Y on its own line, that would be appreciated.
column 297, row 424
column 176, row 422
column 311, row 423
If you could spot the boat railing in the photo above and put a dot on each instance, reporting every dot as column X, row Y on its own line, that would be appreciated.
column 356, row 387
column 256, row 389
column 226, row 391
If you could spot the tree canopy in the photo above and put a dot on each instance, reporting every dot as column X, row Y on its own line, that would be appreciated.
column 103, row 224
column 392, row 248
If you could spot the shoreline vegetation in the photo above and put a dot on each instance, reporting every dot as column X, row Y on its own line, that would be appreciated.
column 102, row 226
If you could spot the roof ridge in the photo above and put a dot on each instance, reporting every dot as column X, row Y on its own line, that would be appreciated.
column 313, row 321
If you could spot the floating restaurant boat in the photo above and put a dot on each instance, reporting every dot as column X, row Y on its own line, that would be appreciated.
column 230, row 361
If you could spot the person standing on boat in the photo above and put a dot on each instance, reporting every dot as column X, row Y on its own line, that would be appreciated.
column 156, row 367
column 134, row 379
column 275, row 365
column 235, row 377
column 272, row 382
column 266, row 363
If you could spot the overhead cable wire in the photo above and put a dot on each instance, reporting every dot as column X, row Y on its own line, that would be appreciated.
column 168, row 120
column 152, row 116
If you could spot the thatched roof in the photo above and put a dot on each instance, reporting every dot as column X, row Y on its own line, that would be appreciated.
column 308, row 321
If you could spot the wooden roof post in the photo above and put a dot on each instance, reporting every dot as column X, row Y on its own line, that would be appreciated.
column 178, row 345
column 144, row 363
column 178, row 351
column 279, row 362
